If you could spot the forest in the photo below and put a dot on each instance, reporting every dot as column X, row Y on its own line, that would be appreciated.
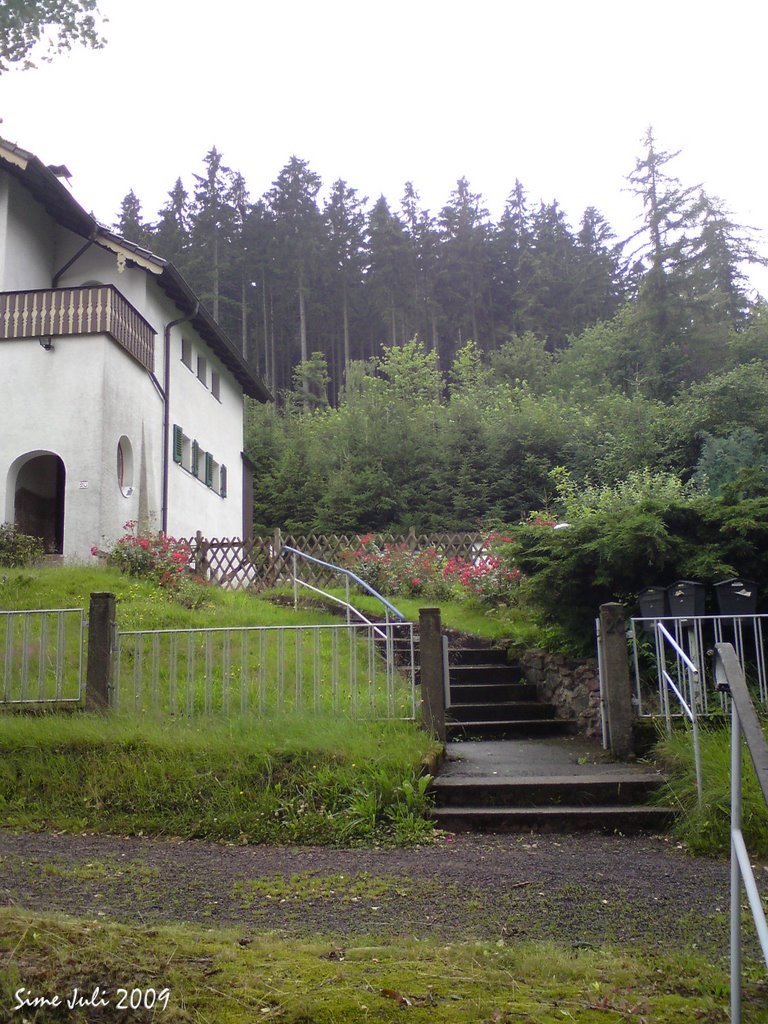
column 435, row 371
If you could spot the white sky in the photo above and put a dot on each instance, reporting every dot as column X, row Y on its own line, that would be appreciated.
column 557, row 93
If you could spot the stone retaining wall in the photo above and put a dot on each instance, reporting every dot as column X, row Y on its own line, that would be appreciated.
column 571, row 685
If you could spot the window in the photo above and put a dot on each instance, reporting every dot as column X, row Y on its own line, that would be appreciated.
column 202, row 370
column 125, row 467
column 223, row 481
column 216, row 385
column 186, row 352
column 208, row 469
column 195, row 459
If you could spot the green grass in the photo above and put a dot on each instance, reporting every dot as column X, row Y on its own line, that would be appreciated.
column 227, row 977
column 705, row 829
column 140, row 603
column 325, row 668
column 519, row 627
column 323, row 779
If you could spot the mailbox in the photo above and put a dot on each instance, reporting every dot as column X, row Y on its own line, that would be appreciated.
column 653, row 603
column 736, row 597
column 686, row 598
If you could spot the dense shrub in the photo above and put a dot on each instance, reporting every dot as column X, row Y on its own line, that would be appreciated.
column 649, row 530
column 159, row 558
column 18, row 549
column 395, row 569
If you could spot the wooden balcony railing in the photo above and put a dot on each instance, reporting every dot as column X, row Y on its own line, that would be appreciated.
column 59, row 312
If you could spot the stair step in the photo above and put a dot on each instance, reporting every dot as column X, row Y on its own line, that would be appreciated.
column 491, row 693
column 516, row 727
column 623, row 818
column 477, row 656
column 582, row 790
column 509, row 711
column 484, row 673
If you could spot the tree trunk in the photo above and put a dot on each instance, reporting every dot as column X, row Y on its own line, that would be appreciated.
column 244, row 316
column 303, row 327
column 345, row 316
column 216, row 277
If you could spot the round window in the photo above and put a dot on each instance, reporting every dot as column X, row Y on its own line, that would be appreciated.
column 125, row 467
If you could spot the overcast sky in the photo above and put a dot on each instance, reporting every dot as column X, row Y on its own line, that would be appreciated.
column 556, row 93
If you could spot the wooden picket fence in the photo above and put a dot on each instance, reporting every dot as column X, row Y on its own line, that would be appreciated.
column 259, row 563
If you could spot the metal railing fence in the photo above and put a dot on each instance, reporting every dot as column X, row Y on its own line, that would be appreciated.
column 365, row 670
column 694, row 636
column 745, row 725
column 348, row 577
column 691, row 702
column 42, row 655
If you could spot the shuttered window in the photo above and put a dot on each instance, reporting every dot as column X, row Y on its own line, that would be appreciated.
column 178, row 442
column 195, row 459
column 208, row 469
column 223, row 481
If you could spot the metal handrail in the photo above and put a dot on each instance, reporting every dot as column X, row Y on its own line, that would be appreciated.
column 744, row 722
column 348, row 576
column 663, row 634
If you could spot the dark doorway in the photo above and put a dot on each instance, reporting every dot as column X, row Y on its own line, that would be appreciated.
column 39, row 500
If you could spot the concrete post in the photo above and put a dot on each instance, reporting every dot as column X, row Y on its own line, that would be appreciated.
column 101, row 632
column 432, row 685
column 617, row 689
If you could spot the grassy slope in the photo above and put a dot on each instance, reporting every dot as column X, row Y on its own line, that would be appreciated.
column 299, row 778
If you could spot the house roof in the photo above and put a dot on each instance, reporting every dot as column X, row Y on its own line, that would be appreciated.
column 45, row 185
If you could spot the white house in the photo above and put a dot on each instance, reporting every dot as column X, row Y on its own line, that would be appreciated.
column 120, row 397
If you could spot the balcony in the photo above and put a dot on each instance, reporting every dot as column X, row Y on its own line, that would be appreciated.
column 62, row 312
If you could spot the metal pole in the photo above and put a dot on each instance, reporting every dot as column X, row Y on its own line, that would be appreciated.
column 295, row 585
column 697, row 755
column 735, row 875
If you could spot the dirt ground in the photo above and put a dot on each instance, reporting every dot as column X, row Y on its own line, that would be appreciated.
column 584, row 889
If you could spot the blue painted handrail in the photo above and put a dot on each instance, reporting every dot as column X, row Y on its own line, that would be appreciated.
column 346, row 572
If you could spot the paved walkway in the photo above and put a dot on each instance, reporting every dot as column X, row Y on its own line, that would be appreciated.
column 552, row 756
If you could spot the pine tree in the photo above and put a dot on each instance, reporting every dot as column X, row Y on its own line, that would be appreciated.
column 172, row 231
column 213, row 218
column 386, row 277
column 130, row 224
column 298, row 234
column 465, row 254
column 345, row 226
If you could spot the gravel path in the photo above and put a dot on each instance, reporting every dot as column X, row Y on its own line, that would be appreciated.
column 584, row 889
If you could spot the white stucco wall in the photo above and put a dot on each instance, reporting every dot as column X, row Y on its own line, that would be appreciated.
column 28, row 242
column 59, row 403
column 217, row 426
column 78, row 400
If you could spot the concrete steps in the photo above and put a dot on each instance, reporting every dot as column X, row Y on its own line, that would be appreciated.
column 489, row 700
column 609, row 799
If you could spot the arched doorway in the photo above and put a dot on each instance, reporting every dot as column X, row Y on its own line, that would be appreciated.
column 38, row 507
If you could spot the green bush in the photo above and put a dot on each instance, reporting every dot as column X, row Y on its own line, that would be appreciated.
column 18, row 549
column 648, row 530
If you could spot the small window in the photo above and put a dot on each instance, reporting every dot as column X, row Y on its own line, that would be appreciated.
column 125, row 467
column 202, row 370
column 186, row 352
column 216, row 385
